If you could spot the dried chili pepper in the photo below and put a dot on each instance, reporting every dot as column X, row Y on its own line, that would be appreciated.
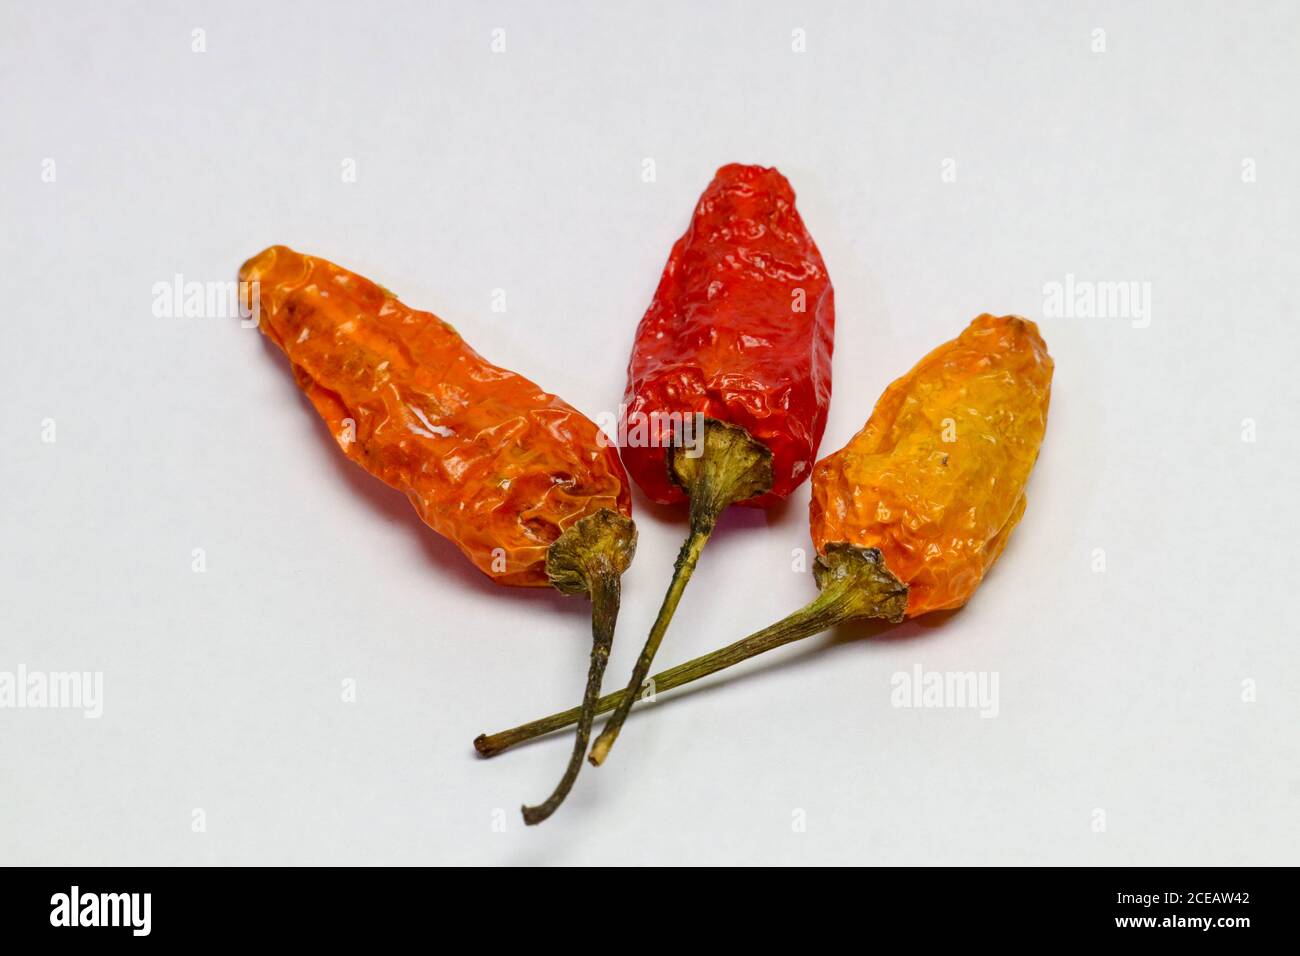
column 514, row 476
column 739, row 336
column 910, row 515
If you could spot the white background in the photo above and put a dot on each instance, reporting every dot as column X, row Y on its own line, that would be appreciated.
column 1120, row 691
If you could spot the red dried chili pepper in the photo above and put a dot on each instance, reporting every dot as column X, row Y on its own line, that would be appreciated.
column 910, row 515
column 517, row 478
column 739, row 337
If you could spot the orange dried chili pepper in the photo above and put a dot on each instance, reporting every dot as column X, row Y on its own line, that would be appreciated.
column 518, row 479
column 910, row 515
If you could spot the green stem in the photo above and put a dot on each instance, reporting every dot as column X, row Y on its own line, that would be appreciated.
column 588, row 559
column 604, row 613
column 731, row 466
column 855, row 584
column 684, row 568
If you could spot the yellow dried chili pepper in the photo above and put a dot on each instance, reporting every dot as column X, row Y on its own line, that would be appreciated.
column 936, row 479
column 910, row 515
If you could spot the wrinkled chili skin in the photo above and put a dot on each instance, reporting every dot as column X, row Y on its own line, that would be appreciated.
column 741, row 328
column 489, row 460
column 941, row 511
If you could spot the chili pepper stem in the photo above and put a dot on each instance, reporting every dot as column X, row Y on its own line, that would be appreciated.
column 588, row 558
column 731, row 466
column 604, row 612
column 683, row 569
column 855, row 585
